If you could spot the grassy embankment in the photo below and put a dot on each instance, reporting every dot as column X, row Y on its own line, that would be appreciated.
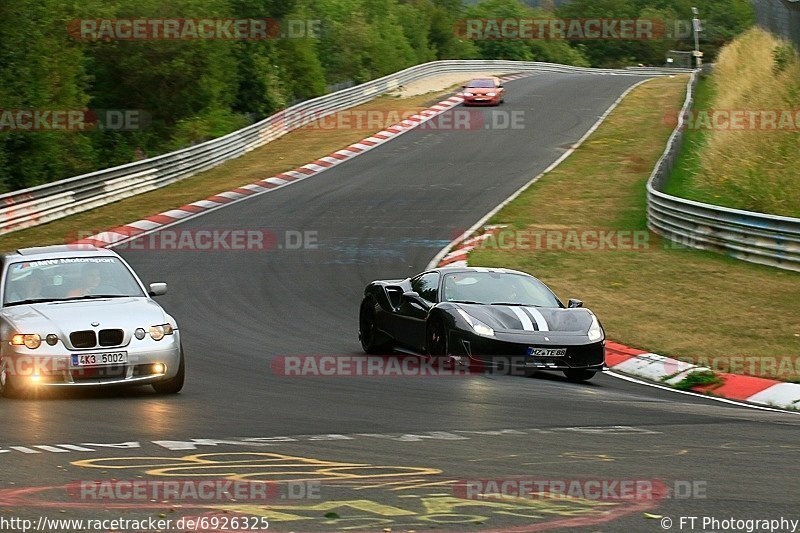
column 752, row 165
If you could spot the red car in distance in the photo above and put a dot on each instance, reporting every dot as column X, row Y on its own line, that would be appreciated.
column 484, row 91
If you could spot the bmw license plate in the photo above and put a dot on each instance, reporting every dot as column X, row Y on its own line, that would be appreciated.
column 547, row 352
column 100, row 359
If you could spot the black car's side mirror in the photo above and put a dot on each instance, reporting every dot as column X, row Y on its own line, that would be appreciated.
column 414, row 298
column 574, row 304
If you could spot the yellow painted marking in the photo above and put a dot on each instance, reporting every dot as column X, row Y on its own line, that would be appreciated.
column 257, row 466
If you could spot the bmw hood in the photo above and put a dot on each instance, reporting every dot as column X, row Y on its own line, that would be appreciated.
column 526, row 319
column 64, row 317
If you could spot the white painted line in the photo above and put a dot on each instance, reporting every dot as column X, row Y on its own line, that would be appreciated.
column 51, row 448
column 696, row 395
column 75, row 447
column 24, row 449
column 278, row 181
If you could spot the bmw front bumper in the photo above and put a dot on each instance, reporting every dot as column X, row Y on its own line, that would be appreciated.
column 52, row 366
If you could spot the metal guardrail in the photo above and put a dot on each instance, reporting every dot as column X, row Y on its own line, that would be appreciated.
column 755, row 237
column 51, row 201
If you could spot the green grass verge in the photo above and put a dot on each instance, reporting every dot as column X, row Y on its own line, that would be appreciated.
column 663, row 299
column 689, row 160
column 698, row 379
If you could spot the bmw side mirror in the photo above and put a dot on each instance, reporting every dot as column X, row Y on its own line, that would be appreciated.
column 574, row 304
column 157, row 289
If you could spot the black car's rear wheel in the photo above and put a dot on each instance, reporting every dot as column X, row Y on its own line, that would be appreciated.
column 372, row 341
column 578, row 375
column 436, row 343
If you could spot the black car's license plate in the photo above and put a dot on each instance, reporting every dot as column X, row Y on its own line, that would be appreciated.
column 547, row 352
column 100, row 359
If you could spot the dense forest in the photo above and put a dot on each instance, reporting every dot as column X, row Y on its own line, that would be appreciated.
column 184, row 91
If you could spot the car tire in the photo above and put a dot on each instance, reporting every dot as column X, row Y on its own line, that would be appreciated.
column 173, row 385
column 579, row 375
column 436, row 341
column 368, row 333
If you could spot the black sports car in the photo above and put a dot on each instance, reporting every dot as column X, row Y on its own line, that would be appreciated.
column 492, row 316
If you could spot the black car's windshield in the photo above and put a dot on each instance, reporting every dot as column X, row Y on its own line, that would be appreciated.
column 68, row 278
column 481, row 84
column 497, row 287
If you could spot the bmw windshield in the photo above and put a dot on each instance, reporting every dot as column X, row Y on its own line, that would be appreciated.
column 68, row 278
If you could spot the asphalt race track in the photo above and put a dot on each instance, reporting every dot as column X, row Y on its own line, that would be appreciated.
column 404, row 440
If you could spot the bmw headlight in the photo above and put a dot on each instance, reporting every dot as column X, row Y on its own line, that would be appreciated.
column 159, row 332
column 31, row 340
column 595, row 331
column 490, row 94
column 468, row 94
column 477, row 326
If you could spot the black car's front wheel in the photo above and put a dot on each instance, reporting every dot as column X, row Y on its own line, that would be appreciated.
column 371, row 338
column 436, row 343
column 578, row 375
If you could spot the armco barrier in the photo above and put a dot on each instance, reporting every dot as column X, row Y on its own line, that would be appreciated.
column 51, row 201
column 749, row 236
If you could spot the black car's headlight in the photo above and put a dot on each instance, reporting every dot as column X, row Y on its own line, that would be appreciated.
column 595, row 331
column 477, row 326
